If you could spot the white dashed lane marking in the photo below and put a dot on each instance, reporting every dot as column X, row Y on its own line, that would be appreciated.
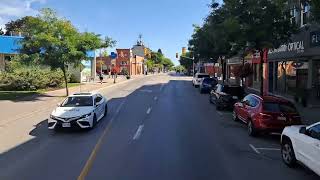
column 138, row 132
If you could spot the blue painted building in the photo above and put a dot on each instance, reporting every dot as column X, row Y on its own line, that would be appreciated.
column 9, row 46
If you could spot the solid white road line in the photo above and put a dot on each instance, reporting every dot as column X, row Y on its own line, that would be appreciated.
column 155, row 98
column 138, row 132
column 254, row 149
column 149, row 110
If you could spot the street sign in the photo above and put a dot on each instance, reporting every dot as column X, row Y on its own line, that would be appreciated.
column 113, row 55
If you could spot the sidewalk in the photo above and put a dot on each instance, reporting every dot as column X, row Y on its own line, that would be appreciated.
column 12, row 110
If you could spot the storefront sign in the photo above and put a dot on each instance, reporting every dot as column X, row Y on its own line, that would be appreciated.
column 297, row 47
column 315, row 38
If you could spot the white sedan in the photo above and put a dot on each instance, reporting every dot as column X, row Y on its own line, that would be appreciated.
column 81, row 110
column 300, row 143
column 197, row 79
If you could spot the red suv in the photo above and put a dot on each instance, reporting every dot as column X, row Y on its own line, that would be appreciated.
column 266, row 114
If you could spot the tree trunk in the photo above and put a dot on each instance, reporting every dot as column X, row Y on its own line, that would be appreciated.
column 65, row 79
column 261, row 72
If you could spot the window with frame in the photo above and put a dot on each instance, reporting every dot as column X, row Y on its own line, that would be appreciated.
column 305, row 13
column 293, row 14
column 253, row 102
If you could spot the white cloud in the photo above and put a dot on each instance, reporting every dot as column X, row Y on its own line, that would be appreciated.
column 12, row 9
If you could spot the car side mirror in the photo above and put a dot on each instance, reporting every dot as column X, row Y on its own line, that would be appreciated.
column 303, row 130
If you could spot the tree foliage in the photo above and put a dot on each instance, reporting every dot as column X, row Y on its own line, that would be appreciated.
column 315, row 11
column 236, row 26
column 55, row 42
column 20, row 25
column 1, row 31
column 159, row 60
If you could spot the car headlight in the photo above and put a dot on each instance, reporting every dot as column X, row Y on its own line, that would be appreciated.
column 52, row 117
column 85, row 116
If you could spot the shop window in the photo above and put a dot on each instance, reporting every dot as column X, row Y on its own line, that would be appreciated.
column 292, row 76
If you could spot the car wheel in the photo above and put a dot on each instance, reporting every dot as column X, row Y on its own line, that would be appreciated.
column 201, row 91
column 105, row 111
column 218, row 107
column 251, row 129
column 287, row 154
column 235, row 116
column 210, row 99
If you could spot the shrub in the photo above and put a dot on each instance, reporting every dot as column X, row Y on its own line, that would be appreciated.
column 30, row 78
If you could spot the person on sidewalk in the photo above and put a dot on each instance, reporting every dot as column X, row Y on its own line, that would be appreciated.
column 101, row 78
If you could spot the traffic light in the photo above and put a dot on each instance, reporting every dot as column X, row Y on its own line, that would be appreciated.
column 177, row 55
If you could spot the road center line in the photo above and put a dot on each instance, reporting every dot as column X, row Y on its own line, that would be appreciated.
column 138, row 132
column 149, row 110
column 254, row 149
column 88, row 165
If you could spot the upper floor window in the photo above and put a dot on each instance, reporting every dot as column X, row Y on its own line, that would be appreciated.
column 305, row 13
column 293, row 14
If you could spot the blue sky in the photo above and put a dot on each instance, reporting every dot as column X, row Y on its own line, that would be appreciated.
column 165, row 24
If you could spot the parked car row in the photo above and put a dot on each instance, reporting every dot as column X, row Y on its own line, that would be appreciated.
column 267, row 114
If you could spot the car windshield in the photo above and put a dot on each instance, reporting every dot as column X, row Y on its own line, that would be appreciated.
column 203, row 76
column 77, row 101
column 279, row 107
column 234, row 91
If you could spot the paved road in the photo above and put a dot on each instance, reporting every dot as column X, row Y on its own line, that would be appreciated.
column 158, row 127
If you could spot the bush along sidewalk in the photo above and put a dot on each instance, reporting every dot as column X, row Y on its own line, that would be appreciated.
column 30, row 78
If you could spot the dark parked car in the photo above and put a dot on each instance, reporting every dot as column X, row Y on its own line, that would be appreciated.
column 266, row 114
column 225, row 96
column 207, row 85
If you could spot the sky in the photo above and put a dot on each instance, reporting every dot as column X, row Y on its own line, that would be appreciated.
column 165, row 24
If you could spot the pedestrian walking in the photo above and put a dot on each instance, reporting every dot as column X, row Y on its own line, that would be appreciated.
column 101, row 78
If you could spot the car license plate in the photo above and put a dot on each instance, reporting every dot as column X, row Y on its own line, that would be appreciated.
column 66, row 125
column 282, row 118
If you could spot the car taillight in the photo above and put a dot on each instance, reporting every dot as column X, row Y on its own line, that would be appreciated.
column 264, row 116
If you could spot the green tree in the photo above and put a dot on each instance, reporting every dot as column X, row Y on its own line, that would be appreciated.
column 1, row 31
column 263, row 24
column 187, row 62
column 54, row 41
column 19, row 25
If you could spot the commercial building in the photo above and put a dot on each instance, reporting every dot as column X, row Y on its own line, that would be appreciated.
column 133, row 64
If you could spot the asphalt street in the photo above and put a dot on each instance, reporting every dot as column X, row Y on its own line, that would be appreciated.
column 158, row 127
